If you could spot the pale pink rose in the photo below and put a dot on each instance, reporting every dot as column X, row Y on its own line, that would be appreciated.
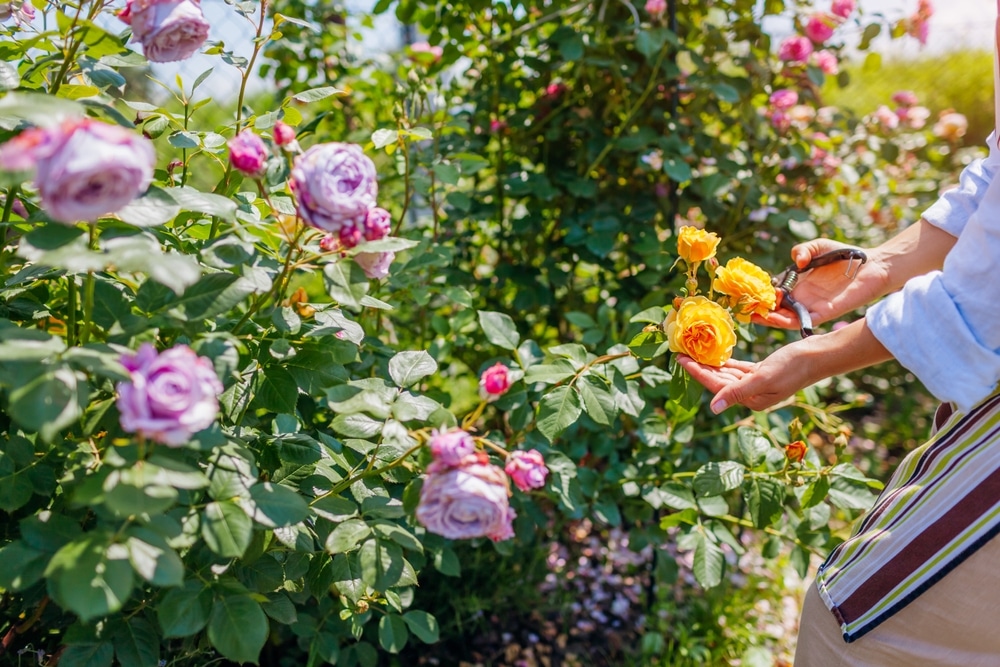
column 795, row 49
column 378, row 223
column 951, row 126
column 904, row 98
column 451, row 446
column 801, row 115
column 83, row 168
column 784, row 98
column 375, row 264
column 170, row 396
column 168, row 30
column 655, row 8
column 819, row 28
column 284, row 134
column 885, row 117
column 468, row 501
column 335, row 184
column 826, row 116
column 495, row 381
column 23, row 12
column 526, row 469
column 827, row 62
column 247, row 153
column 842, row 8
column 916, row 117
column 424, row 52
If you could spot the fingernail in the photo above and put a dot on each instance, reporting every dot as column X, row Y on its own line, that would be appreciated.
column 718, row 406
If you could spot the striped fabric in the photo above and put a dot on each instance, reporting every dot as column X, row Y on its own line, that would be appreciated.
column 942, row 503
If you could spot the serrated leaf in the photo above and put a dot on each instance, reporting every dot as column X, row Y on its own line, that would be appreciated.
column 226, row 528
column 499, row 329
column 276, row 506
column 238, row 628
column 598, row 402
column 184, row 611
column 557, row 411
column 708, row 561
column 407, row 368
column 557, row 371
column 764, row 501
column 714, row 479
column 136, row 642
column 753, row 445
column 346, row 536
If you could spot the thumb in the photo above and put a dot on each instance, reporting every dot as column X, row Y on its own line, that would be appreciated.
column 803, row 253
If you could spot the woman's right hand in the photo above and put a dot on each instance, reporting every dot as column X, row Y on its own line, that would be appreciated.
column 830, row 291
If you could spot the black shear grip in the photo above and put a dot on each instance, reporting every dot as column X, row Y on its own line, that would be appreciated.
column 785, row 281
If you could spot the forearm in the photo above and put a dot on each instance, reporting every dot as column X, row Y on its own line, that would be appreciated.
column 847, row 349
column 917, row 250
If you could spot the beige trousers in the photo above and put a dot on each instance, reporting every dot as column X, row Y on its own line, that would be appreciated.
column 955, row 622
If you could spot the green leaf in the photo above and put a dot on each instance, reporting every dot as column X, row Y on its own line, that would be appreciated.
column 382, row 564
column 347, row 536
column 88, row 654
column 346, row 576
column 238, row 628
column 649, row 344
column 9, row 78
column 278, row 392
column 155, row 207
column 557, row 371
column 20, row 566
column 15, row 484
column 213, row 294
column 815, row 493
column 277, row 506
column 557, row 411
column 184, row 611
column 598, row 402
column 407, row 368
column 48, row 403
column 190, row 199
column 346, row 283
column 384, row 137
column 714, row 479
column 764, row 501
column 38, row 108
column 423, row 625
column 153, row 559
column 708, row 561
column 499, row 329
column 316, row 94
column 136, row 642
column 392, row 633
column 91, row 576
column 356, row 426
column 226, row 528
column 753, row 445
column 654, row 315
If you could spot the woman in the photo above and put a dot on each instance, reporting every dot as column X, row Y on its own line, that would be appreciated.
column 919, row 583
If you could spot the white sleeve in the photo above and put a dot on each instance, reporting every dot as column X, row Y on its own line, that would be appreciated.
column 953, row 209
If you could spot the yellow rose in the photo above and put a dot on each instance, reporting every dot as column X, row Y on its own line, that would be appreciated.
column 701, row 329
column 748, row 287
column 696, row 245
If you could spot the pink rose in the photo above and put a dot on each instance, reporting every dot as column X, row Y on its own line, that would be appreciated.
column 450, row 447
column 375, row 264
column 497, row 126
column 170, row 396
column 526, row 469
column 378, row 223
column 826, row 61
column 904, row 98
column 350, row 236
column 819, row 28
column 83, row 168
column 784, row 98
column 247, row 153
column 422, row 52
column 471, row 500
column 951, row 126
column 914, row 117
column 168, row 30
column 329, row 243
column 780, row 121
column 23, row 14
column 284, row 134
column 335, row 184
column 842, row 8
column 885, row 117
column 655, row 8
column 795, row 49
column 494, row 381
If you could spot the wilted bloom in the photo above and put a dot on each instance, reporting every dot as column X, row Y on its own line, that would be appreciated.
column 378, row 223
column 904, row 98
column 951, row 126
column 842, row 8
column 375, row 264
column 796, row 451
column 335, row 184
column 701, row 329
column 247, row 153
column 169, row 396
column 471, row 500
column 654, row 159
column 83, row 168
column 885, row 117
column 168, row 30
column 696, row 245
column 284, row 134
column 784, row 98
column 494, row 381
column 451, row 446
column 827, row 62
column 819, row 28
column 655, row 8
column 795, row 49
column 526, row 469
column 748, row 287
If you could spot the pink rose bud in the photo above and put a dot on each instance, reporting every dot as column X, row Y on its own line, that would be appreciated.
column 169, row 30
column 329, row 243
column 247, row 153
column 526, row 469
column 450, row 447
column 472, row 500
column 335, row 184
column 555, row 89
column 784, row 99
column 284, row 134
column 350, row 236
column 375, row 264
column 494, row 381
column 904, row 98
column 655, row 8
column 819, row 28
column 842, row 8
column 18, row 208
column 497, row 126
column 170, row 396
column 378, row 223
column 795, row 49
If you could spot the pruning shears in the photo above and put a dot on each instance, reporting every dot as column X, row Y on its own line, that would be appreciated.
column 785, row 281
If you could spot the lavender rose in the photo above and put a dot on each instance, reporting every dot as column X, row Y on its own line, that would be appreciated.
column 375, row 264
column 171, row 395
column 450, row 447
column 335, row 184
column 527, row 469
column 168, row 30
column 83, row 168
column 467, row 501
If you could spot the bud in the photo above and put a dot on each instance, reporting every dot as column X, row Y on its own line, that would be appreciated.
column 796, row 451
column 329, row 243
column 247, row 153
column 284, row 134
column 692, row 285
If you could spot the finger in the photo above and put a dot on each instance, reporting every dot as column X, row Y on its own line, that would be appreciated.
column 780, row 319
column 710, row 377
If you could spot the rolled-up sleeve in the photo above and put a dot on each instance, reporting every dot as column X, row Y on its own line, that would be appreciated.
column 945, row 326
column 953, row 209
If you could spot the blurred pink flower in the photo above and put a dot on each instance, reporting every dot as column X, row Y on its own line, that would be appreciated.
column 885, row 117
column 247, row 153
column 526, row 469
column 655, row 8
column 451, row 446
column 378, row 223
column 424, row 52
column 951, row 126
column 904, row 98
column 495, row 381
column 827, row 62
column 375, row 264
column 466, row 501
column 914, row 117
column 780, row 121
column 842, row 8
column 819, row 28
column 784, row 98
column 795, row 49
column 284, row 134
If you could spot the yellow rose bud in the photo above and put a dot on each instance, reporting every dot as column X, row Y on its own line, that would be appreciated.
column 696, row 245
column 703, row 330
column 748, row 287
